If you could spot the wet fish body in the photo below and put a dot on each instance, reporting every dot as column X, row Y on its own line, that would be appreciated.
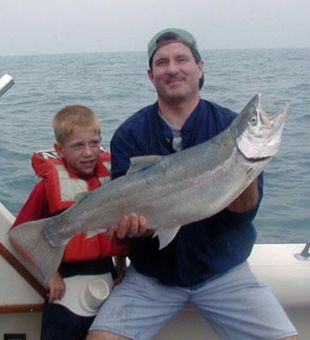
column 169, row 191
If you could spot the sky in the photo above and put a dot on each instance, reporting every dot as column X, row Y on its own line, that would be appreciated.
column 80, row 26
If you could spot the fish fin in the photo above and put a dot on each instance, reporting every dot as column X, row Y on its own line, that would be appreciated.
column 27, row 238
column 142, row 162
column 165, row 236
column 80, row 196
column 93, row 233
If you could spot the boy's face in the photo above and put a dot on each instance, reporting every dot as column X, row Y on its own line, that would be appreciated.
column 80, row 151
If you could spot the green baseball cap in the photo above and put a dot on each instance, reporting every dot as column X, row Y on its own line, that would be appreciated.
column 171, row 35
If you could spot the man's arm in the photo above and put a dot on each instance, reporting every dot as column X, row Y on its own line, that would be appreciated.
column 248, row 200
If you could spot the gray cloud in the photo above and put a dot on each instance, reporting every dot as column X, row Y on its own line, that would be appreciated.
column 73, row 26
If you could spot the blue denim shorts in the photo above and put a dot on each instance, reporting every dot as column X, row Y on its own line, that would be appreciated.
column 235, row 304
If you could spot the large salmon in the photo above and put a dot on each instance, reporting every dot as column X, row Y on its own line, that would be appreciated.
column 169, row 191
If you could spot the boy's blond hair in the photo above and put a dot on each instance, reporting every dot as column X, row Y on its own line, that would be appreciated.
column 73, row 117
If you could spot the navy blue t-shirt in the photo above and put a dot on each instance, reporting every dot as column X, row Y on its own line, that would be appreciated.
column 204, row 248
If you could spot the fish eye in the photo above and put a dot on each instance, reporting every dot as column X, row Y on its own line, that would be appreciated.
column 253, row 119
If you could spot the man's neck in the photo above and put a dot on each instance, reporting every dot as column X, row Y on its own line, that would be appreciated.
column 177, row 114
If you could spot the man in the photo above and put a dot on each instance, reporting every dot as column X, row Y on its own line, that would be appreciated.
column 206, row 262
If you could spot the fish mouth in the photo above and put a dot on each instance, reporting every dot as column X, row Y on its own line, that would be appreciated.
column 270, row 121
column 273, row 121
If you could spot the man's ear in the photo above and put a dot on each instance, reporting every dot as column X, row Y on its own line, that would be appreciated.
column 201, row 66
column 150, row 74
column 59, row 149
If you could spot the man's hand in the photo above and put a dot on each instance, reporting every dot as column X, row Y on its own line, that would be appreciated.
column 131, row 225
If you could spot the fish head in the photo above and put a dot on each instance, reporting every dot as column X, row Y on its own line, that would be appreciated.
column 259, row 134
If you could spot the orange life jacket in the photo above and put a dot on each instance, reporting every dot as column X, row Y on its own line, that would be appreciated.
column 62, row 186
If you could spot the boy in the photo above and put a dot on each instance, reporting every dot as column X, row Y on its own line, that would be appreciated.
column 80, row 166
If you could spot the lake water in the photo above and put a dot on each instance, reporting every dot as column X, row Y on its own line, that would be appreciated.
column 115, row 85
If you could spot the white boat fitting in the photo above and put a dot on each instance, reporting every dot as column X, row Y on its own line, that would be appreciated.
column 282, row 266
column 6, row 81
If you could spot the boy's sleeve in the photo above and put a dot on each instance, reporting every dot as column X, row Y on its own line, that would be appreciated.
column 36, row 206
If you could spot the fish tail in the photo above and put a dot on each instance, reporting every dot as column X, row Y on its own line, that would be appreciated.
column 27, row 238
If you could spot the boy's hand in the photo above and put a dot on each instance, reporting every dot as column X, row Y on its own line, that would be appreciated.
column 131, row 225
column 56, row 287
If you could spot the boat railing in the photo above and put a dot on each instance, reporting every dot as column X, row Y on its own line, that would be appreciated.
column 6, row 81
column 304, row 255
